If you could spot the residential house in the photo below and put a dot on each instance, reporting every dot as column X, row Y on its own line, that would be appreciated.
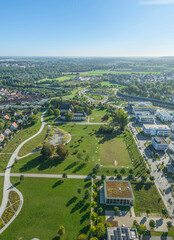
column 65, row 107
column 79, row 116
column 76, row 116
column 20, row 121
column 14, row 126
column 7, row 132
column 159, row 144
column 1, row 138
column 6, row 117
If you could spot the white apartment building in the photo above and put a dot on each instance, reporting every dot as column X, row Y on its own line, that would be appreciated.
column 166, row 116
column 159, row 130
column 171, row 146
column 159, row 144
column 172, row 127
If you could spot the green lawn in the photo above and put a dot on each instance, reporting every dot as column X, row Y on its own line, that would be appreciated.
column 4, row 158
column 147, row 197
column 94, row 96
column 114, row 154
column 73, row 93
column 86, row 141
column 34, row 143
column 21, row 136
column 1, row 188
column 97, row 116
column 48, row 204
column 61, row 79
column 93, row 73
column 72, row 165
column 107, row 83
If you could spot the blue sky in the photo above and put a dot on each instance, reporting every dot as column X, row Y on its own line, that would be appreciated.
column 87, row 28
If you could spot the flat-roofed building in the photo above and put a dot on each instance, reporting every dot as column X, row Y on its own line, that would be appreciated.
column 141, row 104
column 122, row 233
column 159, row 130
column 118, row 193
column 166, row 116
column 171, row 147
column 138, row 113
column 172, row 159
column 151, row 109
column 146, row 119
column 159, row 144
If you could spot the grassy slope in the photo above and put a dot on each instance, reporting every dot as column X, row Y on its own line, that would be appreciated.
column 34, row 143
column 46, row 208
column 147, row 197
column 1, row 187
column 4, row 158
column 21, row 136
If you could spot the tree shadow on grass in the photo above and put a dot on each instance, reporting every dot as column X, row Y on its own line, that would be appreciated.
column 40, row 163
column 56, row 238
column 107, row 137
column 85, row 217
column 88, row 184
column 139, row 186
column 72, row 200
column 70, row 166
column 85, row 230
column 84, row 208
column 78, row 168
column 58, row 183
column 148, row 185
column 77, row 206
column 16, row 184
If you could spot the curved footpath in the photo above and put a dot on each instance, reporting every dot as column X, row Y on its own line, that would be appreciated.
column 7, row 183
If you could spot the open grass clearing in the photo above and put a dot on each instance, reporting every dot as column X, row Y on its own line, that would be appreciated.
column 114, row 154
column 147, row 197
column 33, row 143
column 98, row 116
column 84, row 141
column 61, row 79
column 88, row 143
column 107, row 83
column 50, row 203
column 93, row 73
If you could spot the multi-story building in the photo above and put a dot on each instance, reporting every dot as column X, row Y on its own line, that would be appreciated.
column 166, row 116
column 159, row 130
column 118, row 193
column 146, row 119
column 122, row 233
column 159, row 144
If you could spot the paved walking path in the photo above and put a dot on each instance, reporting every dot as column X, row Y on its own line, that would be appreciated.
column 7, row 183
